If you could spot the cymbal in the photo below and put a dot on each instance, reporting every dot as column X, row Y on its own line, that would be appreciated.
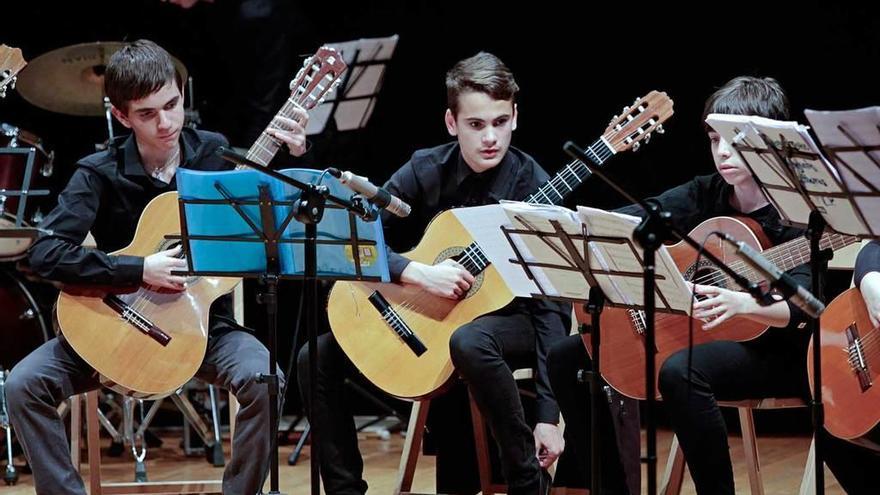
column 70, row 80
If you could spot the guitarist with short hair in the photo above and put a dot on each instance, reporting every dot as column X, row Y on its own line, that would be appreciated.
column 478, row 168
column 106, row 195
column 774, row 364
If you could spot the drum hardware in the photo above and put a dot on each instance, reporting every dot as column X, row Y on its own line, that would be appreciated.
column 70, row 80
column 11, row 475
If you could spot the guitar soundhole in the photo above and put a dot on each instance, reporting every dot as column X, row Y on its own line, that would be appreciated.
column 706, row 273
column 452, row 252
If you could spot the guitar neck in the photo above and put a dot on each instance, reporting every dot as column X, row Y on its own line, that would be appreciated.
column 555, row 190
column 794, row 253
column 265, row 147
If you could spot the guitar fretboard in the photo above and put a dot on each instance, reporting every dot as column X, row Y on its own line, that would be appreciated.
column 265, row 147
column 793, row 253
column 555, row 190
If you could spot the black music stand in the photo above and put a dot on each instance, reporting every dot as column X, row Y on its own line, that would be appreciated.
column 570, row 253
column 307, row 209
column 16, row 239
column 352, row 105
column 655, row 228
column 786, row 165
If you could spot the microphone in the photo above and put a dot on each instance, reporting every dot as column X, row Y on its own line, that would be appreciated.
column 377, row 195
column 786, row 284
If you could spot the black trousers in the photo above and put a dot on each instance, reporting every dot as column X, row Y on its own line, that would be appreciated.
column 620, row 436
column 738, row 371
column 481, row 351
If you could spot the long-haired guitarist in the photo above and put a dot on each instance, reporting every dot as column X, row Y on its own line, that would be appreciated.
column 106, row 196
column 479, row 167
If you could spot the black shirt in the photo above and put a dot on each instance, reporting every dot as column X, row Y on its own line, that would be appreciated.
column 437, row 179
column 106, row 195
column 708, row 196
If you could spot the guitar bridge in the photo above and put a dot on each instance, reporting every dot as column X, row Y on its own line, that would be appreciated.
column 137, row 320
column 397, row 324
column 857, row 357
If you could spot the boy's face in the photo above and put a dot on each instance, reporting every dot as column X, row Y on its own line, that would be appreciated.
column 727, row 161
column 483, row 127
column 156, row 119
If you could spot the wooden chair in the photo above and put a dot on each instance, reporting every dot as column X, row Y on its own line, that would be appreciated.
column 96, row 486
column 674, row 474
column 413, row 444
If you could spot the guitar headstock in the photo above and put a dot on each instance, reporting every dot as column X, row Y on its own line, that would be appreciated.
column 638, row 122
column 318, row 77
column 11, row 63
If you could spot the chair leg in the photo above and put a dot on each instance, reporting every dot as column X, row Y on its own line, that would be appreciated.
column 482, row 445
column 808, row 482
column 94, row 443
column 75, row 431
column 673, row 477
column 412, row 446
column 750, row 447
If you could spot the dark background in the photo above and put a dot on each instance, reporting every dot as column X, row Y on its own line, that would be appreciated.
column 577, row 64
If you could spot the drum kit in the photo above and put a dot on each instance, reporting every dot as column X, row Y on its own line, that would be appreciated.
column 69, row 81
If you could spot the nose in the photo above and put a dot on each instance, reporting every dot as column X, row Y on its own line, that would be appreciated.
column 724, row 149
column 164, row 120
column 489, row 137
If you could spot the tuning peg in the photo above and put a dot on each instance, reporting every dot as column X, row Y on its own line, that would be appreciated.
column 637, row 145
column 637, row 101
column 660, row 129
column 625, row 109
column 647, row 138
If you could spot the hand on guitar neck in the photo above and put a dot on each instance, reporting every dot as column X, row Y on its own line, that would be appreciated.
column 870, row 288
column 291, row 132
column 447, row 279
column 158, row 268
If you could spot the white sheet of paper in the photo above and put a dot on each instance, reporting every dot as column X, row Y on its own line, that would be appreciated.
column 861, row 125
column 484, row 225
column 816, row 175
column 362, row 81
column 620, row 257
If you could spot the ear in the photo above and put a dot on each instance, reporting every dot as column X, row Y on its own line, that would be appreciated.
column 451, row 125
column 513, row 119
column 120, row 116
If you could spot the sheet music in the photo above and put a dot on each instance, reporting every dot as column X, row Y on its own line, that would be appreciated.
column 560, row 274
column 816, row 174
column 484, row 223
column 860, row 173
column 537, row 217
column 620, row 257
column 354, row 103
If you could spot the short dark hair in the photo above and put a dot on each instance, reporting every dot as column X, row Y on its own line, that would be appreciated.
column 484, row 73
column 137, row 70
column 746, row 95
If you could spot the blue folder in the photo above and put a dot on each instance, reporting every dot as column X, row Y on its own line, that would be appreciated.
column 221, row 220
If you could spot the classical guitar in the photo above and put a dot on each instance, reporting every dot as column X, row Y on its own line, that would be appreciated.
column 622, row 330
column 11, row 63
column 398, row 336
column 850, row 365
column 149, row 342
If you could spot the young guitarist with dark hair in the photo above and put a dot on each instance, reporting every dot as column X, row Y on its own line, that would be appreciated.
column 106, row 195
column 479, row 167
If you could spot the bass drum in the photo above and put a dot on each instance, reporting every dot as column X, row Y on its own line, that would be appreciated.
column 24, row 325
